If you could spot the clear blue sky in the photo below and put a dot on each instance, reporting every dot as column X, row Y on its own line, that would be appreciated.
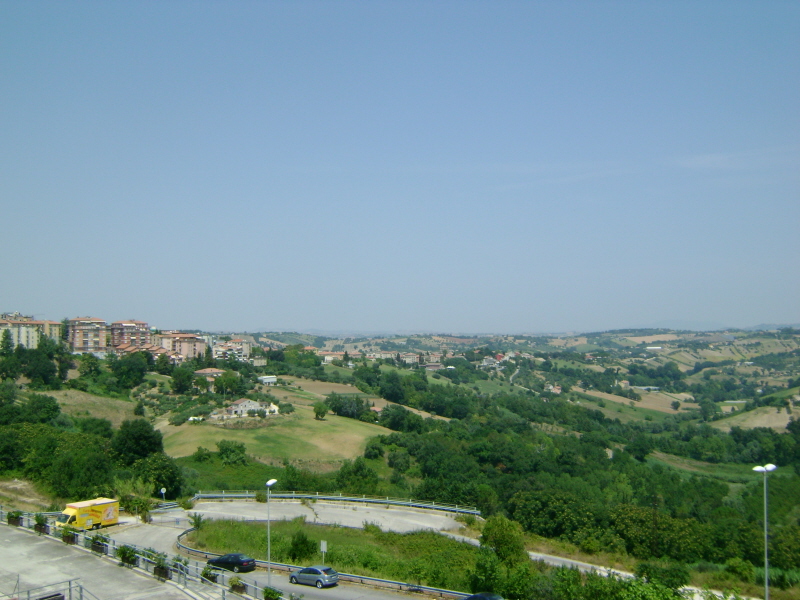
column 458, row 166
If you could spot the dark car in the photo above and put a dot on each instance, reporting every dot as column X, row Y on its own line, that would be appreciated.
column 238, row 563
column 484, row 596
column 317, row 575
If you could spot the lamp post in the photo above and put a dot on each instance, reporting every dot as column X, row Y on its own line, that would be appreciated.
column 270, row 483
column 766, row 469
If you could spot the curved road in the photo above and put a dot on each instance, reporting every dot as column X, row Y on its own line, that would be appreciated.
column 166, row 526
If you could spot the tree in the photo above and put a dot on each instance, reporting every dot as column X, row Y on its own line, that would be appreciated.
column 136, row 439
column 320, row 410
column 89, row 365
column 161, row 471
column 505, row 537
column 8, row 406
column 232, row 453
column 163, row 366
column 227, row 383
column 201, row 383
column 39, row 408
column 130, row 370
column 6, row 344
column 40, row 369
column 182, row 380
column 675, row 405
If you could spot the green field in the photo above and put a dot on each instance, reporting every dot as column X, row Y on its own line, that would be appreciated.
column 729, row 472
column 298, row 436
column 421, row 557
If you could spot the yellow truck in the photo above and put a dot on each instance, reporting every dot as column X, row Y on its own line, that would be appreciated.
column 90, row 514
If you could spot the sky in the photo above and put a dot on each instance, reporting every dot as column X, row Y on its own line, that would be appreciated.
column 437, row 166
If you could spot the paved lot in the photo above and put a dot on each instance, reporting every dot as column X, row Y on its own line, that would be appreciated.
column 389, row 518
column 39, row 561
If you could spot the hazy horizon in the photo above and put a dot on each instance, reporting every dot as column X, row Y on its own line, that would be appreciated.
column 401, row 166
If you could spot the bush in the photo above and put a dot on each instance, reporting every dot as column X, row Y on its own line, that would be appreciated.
column 271, row 594
column 671, row 575
column 126, row 555
column 741, row 569
column 301, row 547
column 261, row 496
column 374, row 449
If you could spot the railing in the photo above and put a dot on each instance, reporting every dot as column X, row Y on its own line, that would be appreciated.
column 316, row 496
column 70, row 589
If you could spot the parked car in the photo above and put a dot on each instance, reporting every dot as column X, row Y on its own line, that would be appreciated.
column 238, row 563
column 317, row 575
column 484, row 596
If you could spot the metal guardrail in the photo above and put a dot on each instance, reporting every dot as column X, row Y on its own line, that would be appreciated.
column 316, row 496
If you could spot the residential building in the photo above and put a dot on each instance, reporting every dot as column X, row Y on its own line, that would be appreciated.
column 136, row 333
column 187, row 345
column 23, row 333
column 209, row 373
column 88, row 334
column 240, row 408
column 28, row 332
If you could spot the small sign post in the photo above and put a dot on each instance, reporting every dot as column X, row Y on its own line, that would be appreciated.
column 163, row 490
column 323, row 547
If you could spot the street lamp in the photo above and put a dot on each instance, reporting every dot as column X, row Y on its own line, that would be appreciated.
column 270, row 483
column 766, row 469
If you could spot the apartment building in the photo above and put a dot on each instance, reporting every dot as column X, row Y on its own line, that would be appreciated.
column 187, row 345
column 88, row 334
column 28, row 332
column 135, row 333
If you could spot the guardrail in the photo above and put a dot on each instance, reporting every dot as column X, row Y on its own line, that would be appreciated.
column 362, row 579
column 316, row 496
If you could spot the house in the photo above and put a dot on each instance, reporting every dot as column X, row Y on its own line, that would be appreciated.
column 410, row 358
column 433, row 366
column 268, row 379
column 241, row 407
column 210, row 373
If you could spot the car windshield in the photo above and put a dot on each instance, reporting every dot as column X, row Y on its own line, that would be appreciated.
column 62, row 518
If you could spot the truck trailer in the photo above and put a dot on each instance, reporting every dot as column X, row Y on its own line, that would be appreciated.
column 90, row 514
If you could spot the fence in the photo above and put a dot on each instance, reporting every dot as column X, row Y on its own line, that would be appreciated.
column 186, row 573
column 224, row 495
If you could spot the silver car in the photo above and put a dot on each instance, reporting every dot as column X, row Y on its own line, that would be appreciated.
column 317, row 575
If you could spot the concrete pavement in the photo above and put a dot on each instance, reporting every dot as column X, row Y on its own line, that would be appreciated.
column 36, row 561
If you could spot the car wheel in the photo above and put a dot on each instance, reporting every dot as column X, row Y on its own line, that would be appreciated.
column 235, row 569
column 319, row 584
column 293, row 579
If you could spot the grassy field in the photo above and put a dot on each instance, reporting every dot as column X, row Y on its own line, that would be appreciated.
column 729, row 472
column 298, row 436
column 765, row 416
column 616, row 409
column 80, row 404
column 421, row 557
